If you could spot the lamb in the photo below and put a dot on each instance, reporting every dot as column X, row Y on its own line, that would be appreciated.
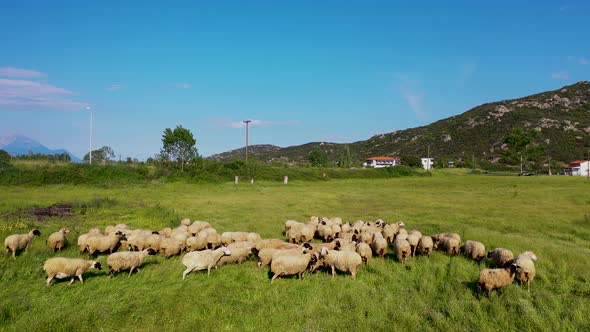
column 490, row 279
column 474, row 250
column 525, row 268
column 284, row 265
column 57, row 240
column 425, row 245
column 61, row 267
column 365, row 251
column 379, row 245
column 82, row 239
column 16, row 242
column 200, row 260
column 240, row 251
column 104, row 243
column 402, row 250
column 130, row 260
column 345, row 261
column 501, row 256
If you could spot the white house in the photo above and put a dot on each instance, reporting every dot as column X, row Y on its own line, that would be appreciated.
column 427, row 163
column 578, row 168
column 379, row 162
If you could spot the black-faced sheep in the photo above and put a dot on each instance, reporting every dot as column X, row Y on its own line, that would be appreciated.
column 490, row 279
column 127, row 260
column 104, row 243
column 82, row 245
column 61, row 267
column 57, row 241
column 16, row 242
column 364, row 250
column 201, row 260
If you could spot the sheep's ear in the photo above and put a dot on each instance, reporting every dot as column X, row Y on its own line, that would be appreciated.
column 36, row 232
column 98, row 266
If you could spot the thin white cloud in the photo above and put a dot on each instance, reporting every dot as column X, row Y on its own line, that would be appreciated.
column 182, row 85
column 231, row 123
column 415, row 101
column 583, row 61
column 20, row 73
column 31, row 94
column 562, row 75
column 115, row 87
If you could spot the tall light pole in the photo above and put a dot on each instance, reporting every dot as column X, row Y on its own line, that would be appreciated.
column 247, row 122
column 90, row 144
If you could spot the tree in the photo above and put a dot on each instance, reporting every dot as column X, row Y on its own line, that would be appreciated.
column 4, row 159
column 318, row 157
column 520, row 146
column 411, row 161
column 346, row 160
column 105, row 153
column 179, row 146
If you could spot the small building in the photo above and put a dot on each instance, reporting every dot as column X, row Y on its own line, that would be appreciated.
column 451, row 164
column 427, row 163
column 578, row 168
column 379, row 162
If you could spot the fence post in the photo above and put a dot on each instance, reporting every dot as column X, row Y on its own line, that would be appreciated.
column 237, row 179
column 286, row 179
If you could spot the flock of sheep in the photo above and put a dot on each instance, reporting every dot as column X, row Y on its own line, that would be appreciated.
column 344, row 247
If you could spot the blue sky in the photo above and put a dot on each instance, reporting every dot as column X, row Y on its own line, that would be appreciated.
column 305, row 71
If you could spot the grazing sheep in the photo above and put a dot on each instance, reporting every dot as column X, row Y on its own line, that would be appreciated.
column 192, row 244
column 425, row 245
column 119, row 227
column 16, row 242
column 364, row 250
column 275, row 243
column 170, row 247
column 438, row 238
column 137, row 239
column 285, row 265
column 153, row 241
column 450, row 245
column 490, row 279
column 402, row 250
column 231, row 237
column 82, row 239
column 61, row 267
column 104, row 243
column 198, row 226
column 474, row 250
column 326, row 233
column 413, row 239
column 525, row 268
column 501, row 256
column 185, row 222
column 402, row 234
column 127, row 260
column 166, row 232
column 345, row 228
column 205, row 259
column 345, row 261
column 255, row 237
column 379, row 246
column 346, row 245
column 57, row 240
column 240, row 251
column 265, row 255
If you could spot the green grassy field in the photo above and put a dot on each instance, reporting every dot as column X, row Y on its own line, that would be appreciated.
column 548, row 215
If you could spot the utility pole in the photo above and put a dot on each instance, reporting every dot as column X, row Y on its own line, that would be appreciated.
column 247, row 122
column 428, row 159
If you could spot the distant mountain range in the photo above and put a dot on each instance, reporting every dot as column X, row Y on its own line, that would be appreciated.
column 21, row 145
column 561, row 118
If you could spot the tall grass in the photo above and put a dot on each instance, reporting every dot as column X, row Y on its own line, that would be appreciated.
column 549, row 215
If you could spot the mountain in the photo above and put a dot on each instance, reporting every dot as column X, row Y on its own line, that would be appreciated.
column 561, row 118
column 19, row 145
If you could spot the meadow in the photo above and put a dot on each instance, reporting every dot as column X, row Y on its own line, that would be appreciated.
column 548, row 215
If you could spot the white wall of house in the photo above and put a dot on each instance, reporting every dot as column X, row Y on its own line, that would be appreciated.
column 582, row 170
column 427, row 163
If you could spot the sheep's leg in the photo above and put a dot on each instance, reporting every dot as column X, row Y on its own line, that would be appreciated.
column 71, row 281
column 14, row 254
column 130, row 270
column 187, row 271
column 208, row 270
column 333, row 271
column 49, row 280
column 80, row 277
column 276, row 275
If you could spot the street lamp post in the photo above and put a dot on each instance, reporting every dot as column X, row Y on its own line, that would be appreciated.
column 90, row 143
column 247, row 122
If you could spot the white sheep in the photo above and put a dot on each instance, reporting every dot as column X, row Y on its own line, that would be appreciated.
column 474, row 250
column 265, row 255
column 185, row 222
column 127, row 260
column 275, row 243
column 345, row 261
column 57, row 241
column 501, row 256
column 490, row 279
column 379, row 245
column 284, row 265
column 198, row 226
column 402, row 250
column 104, row 243
column 240, row 251
column 425, row 245
column 153, row 240
column 450, row 245
column 61, row 267
column 170, row 247
column 364, row 250
column 16, row 242
column 525, row 268
column 200, row 260
column 83, row 237
column 413, row 239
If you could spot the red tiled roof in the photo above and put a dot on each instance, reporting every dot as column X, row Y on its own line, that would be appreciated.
column 578, row 161
column 383, row 158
